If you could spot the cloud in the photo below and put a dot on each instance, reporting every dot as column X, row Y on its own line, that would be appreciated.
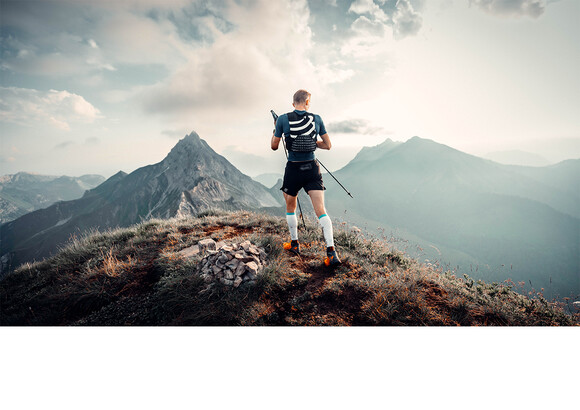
column 406, row 21
column 247, row 64
column 355, row 126
column 175, row 133
column 131, row 38
column 366, row 27
column 370, row 34
column 368, row 7
column 90, row 141
column 64, row 144
column 67, row 38
column 511, row 8
column 55, row 108
column 8, row 154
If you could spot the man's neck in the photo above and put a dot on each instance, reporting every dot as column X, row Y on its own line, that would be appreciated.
column 300, row 107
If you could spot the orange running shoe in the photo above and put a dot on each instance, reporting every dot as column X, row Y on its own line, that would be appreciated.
column 331, row 257
column 293, row 247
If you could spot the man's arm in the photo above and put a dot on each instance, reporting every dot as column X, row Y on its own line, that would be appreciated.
column 275, row 143
column 277, row 134
column 325, row 143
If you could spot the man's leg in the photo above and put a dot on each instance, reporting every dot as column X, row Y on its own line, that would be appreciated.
column 317, row 198
column 291, row 215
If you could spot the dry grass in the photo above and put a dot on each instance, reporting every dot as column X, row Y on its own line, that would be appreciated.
column 135, row 276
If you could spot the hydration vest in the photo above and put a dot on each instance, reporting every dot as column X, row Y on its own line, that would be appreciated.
column 302, row 137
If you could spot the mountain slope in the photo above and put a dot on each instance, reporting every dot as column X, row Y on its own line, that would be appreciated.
column 476, row 212
column 192, row 178
column 22, row 193
column 141, row 276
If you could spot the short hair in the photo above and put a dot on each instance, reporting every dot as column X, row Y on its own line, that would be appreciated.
column 301, row 96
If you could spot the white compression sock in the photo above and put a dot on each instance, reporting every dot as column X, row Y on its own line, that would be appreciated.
column 292, row 225
column 326, row 224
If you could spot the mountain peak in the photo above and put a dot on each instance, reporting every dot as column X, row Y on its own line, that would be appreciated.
column 188, row 145
column 192, row 137
column 374, row 153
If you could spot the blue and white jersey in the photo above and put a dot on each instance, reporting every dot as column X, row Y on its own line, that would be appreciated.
column 300, row 130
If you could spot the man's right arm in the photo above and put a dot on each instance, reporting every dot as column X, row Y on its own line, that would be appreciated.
column 275, row 143
column 277, row 135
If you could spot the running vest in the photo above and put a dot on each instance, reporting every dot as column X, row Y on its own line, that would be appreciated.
column 302, row 137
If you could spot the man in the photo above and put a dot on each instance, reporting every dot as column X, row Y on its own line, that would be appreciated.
column 300, row 130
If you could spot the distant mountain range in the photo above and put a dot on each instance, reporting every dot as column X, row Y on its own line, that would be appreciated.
column 191, row 179
column 516, row 157
column 23, row 192
column 476, row 216
column 494, row 221
column 268, row 180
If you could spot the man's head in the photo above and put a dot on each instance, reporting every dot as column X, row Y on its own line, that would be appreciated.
column 301, row 99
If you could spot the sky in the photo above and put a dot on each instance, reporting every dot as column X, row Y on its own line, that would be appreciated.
column 94, row 87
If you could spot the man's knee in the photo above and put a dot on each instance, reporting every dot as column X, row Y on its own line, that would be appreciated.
column 290, row 202
column 317, row 198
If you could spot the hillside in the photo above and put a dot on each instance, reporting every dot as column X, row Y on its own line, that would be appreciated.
column 140, row 276
column 493, row 221
column 190, row 179
column 23, row 192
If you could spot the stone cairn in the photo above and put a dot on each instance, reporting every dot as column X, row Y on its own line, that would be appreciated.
column 231, row 264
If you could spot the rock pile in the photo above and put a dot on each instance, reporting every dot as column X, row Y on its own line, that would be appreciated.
column 231, row 264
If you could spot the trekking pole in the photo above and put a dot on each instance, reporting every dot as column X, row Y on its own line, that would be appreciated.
column 330, row 173
column 286, row 152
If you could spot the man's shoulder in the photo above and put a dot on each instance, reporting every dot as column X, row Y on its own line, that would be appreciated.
column 317, row 117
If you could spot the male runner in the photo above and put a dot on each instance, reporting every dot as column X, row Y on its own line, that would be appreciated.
column 300, row 130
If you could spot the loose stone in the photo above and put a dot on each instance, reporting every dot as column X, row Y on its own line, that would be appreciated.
column 231, row 264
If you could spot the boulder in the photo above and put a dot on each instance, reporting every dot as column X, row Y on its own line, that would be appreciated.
column 206, row 245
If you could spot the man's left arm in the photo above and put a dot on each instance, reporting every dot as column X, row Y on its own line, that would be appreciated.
column 325, row 143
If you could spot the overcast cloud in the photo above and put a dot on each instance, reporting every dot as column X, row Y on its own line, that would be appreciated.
column 132, row 72
column 512, row 8
column 56, row 108
column 356, row 126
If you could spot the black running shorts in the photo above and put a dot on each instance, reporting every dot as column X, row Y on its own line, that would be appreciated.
column 302, row 175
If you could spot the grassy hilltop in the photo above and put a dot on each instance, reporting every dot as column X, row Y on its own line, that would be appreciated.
column 135, row 276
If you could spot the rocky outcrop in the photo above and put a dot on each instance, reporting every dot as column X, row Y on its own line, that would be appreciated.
column 230, row 264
